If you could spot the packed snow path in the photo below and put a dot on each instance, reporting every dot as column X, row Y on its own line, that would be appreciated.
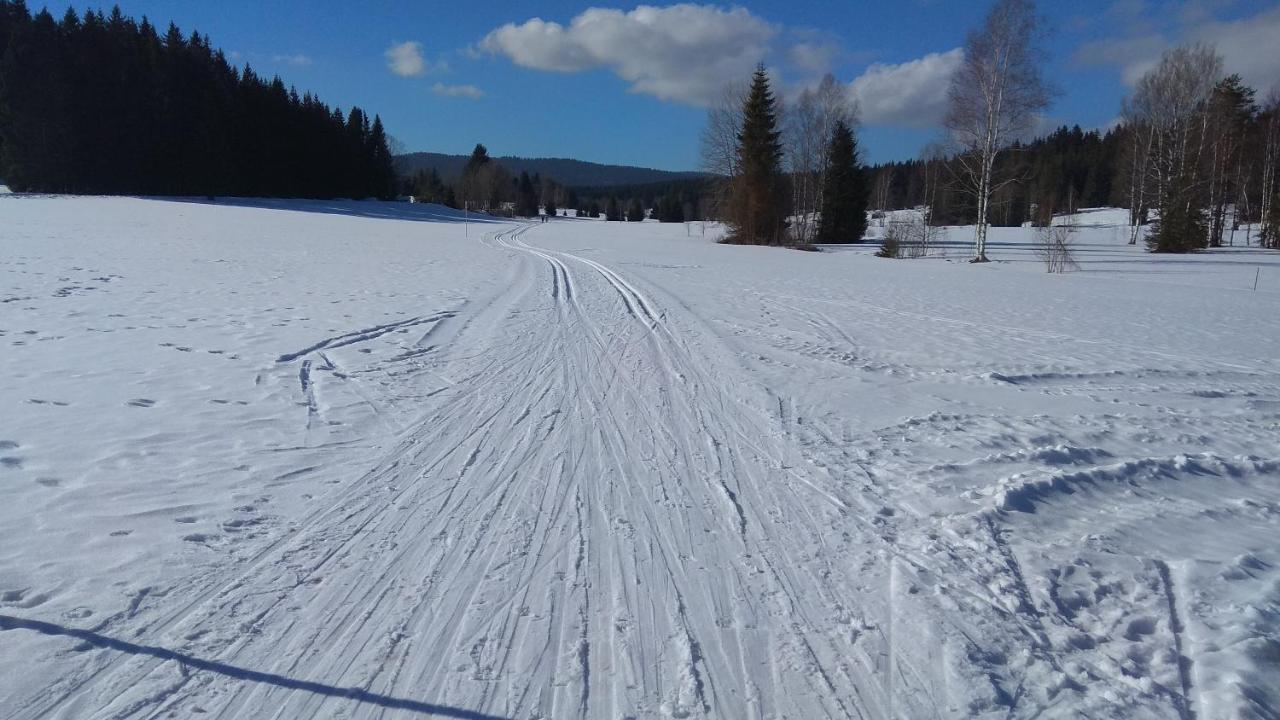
column 589, row 524
column 598, row 508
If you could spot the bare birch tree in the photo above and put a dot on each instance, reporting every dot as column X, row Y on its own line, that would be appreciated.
column 995, row 96
column 1270, row 235
column 1231, row 111
column 809, row 125
column 1172, row 102
column 880, row 192
column 1141, row 137
column 719, row 144
column 804, row 144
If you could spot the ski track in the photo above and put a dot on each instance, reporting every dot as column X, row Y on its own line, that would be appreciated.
column 592, row 481
column 602, row 517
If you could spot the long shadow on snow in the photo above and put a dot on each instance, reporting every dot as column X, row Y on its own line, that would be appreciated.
column 8, row 622
column 376, row 209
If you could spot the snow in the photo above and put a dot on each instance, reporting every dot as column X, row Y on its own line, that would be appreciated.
column 303, row 459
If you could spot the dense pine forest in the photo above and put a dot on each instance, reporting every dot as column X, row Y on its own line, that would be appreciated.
column 106, row 105
column 1067, row 169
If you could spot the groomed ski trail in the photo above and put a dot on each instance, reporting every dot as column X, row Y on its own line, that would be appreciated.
column 597, row 520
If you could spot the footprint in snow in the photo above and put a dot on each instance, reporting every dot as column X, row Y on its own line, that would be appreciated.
column 141, row 402
column 11, row 462
column 21, row 598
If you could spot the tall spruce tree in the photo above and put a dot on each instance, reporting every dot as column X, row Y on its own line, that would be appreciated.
column 844, row 190
column 635, row 211
column 1182, row 228
column 759, row 198
column 612, row 211
column 670, row 208
column 527, row 199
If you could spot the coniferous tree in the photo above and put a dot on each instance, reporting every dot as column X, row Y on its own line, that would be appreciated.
column 758, row 194
column 844, row 190
column 670, row 208
column 382, row 174
column 613, row 212
column 635, row 211
column 100, row 103
column 527, row 200
column 1231, row 108
column 1181, row 228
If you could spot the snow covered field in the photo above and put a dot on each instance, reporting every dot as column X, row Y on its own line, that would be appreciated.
column 364, row 460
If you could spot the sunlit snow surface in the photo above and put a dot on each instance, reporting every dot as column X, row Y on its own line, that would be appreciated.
column 272, row 459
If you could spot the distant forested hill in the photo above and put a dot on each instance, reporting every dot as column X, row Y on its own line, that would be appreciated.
column 570, row 173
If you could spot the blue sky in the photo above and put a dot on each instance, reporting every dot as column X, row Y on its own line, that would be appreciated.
column 626, row 85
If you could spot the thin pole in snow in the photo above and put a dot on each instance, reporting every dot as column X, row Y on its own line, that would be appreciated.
column 1255, row 278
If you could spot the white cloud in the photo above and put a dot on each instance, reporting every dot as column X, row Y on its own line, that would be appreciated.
column 1248, row 46
column 406, row 60
column 684, row 53
column 464, row 91
column 813, row 57
column 298, row 60
column 1133, row 55
column 912, row 93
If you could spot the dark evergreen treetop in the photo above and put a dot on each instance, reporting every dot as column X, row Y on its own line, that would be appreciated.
column 104, row 104
column 760, row 203
column 844, row 190
column 527, row 199
column 760, row 142
column 479, row 157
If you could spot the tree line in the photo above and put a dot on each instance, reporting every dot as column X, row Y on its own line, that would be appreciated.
column 1231, row 189
column 486, row 185
column 1066, row 170
column 103, row 104
column 1195, row 158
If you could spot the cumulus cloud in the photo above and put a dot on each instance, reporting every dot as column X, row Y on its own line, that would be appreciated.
column 815, row 58
column 912, row 94
column 406, row 60
column 463, row 91
column 1133, row 55
column 1248, row 45
column 683, row 53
